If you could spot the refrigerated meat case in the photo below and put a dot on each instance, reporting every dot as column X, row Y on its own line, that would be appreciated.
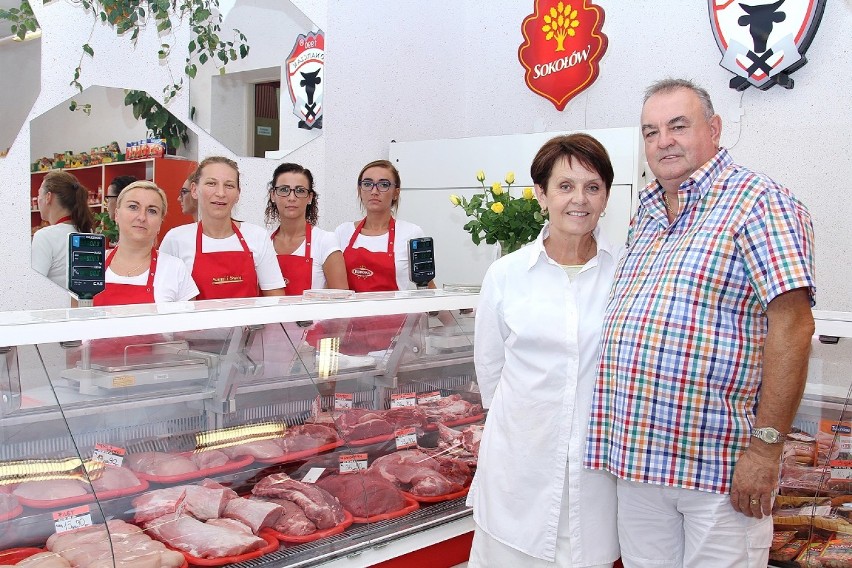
column 90, row 386
column 811, row 514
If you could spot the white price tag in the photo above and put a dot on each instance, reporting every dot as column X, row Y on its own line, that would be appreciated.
column 406, row 438
column 351, row 463
column 403, row 399
column 841, row 469
column 72, row 519
column 313, row 475
column 343, row 400
column 428, row 397
column 109, row 455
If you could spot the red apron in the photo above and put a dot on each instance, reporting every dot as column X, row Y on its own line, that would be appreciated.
column 298, row 271
column 224, row 274
column 122, row 294
column 368, row 271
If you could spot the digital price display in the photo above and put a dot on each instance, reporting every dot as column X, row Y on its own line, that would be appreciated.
column 86, row 264
column 421, row 258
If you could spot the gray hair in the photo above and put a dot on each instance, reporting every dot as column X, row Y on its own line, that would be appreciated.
column 669, row 85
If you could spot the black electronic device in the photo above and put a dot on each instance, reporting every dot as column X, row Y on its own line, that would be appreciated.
column 86, row 266
column 421, row 260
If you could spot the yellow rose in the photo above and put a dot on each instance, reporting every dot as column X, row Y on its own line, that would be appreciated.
column 497, row 207
column 510, row 178
column 528, row 193
column 496, row 188
column 480, row 176
column 455, row 200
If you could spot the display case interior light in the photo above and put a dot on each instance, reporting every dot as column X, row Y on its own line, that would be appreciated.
column 235, row 435
column 328, row 357
column 42, row 470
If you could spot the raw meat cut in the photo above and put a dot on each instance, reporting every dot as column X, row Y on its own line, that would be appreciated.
column 307, row 437
column 419, row 474
column 230, row 524
column 263, row 449
column 200, row 502
column 94, row 547
column 8, row 503
column 292, row 520
column 364, row 494
column 405, row 416
column 211, row 484
column 44, row 560
column 160, row 464
column 108, row 478
column 450, row 408
column 355, row 423
column 201, row 539
column 255, row 514
column 51, row 489
column 319, row 506
column 208, row 459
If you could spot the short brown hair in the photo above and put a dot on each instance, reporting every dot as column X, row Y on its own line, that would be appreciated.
column 381, row 164
column 582, row 147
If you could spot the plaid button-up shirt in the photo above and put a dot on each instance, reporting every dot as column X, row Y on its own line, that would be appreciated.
column 683, row 336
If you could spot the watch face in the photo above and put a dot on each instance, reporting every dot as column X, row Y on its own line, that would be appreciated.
column 768, row 435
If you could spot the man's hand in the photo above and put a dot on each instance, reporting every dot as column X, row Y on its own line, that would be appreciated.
column 755, row 480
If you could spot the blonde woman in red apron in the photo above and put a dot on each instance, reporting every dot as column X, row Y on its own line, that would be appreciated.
column 308, row 256
column 227, row 258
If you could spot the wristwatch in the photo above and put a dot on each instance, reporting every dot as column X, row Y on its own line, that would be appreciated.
column 768, row 435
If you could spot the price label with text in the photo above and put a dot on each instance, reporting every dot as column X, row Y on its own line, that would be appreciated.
column 351, row 463
column 428, row 397
column 406, row 438
column 343, row 400
column 313, row 475
column 841, row 469
column 403, row 399
column 72, row 519
column 109, row 455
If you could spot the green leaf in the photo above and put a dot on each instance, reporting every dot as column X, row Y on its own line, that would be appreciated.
column 88, row 49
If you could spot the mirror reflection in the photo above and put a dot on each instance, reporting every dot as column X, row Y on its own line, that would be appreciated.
column 81, row 160
column 20, row 68
column 269, row 103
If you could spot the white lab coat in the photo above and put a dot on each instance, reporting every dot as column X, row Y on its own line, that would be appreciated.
column 536, row 354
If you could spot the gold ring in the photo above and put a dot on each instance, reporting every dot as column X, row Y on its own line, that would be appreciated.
column 755, row 501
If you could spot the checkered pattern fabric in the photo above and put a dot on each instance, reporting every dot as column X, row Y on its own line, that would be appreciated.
column 683, row 334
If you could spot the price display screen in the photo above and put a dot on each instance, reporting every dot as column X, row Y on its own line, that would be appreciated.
column 86, row 264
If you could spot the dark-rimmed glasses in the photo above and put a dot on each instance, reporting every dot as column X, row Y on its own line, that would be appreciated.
column 284, row 190
column 382, row 185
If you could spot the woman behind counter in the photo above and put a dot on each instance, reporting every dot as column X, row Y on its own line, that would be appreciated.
column 536, row 352
column 136, row 273
column 308, row 256
column 64, row 203
column 227, row 259
column 375, row 249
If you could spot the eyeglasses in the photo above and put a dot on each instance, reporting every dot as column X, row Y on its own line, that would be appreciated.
column 183, row 191
column 382, row 185
column 284, row 190
column 108, row 197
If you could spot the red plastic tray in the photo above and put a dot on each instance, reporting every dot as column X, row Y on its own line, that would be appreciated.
column 373, row 440
column 15, row 555
column 295, row 456
column 56, row 503
column 469, row 420
column 437, row 498
column 292, row 539
column 11, row 515
column 412, row 506
column 271, row 546
column 229, row 467
column 143, row 486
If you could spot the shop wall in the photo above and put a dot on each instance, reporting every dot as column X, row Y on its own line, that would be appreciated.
column 411, row 70
column 405, row 70
column 19, row 86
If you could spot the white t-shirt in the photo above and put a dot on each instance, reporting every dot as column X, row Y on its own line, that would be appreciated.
column 180, row 242
column 404, row 232
column 49, row 252
column 323, row 243
column 172, row 281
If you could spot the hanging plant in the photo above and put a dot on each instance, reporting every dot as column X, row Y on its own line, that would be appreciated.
column 159, row 121
column 22, row 18
column 205, row 44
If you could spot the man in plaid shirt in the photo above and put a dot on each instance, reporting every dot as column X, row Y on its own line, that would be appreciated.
column 705, row 346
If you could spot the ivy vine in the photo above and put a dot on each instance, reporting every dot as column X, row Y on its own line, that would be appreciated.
column 22, row 18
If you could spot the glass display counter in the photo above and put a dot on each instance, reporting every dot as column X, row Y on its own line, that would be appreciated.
column 263, row 431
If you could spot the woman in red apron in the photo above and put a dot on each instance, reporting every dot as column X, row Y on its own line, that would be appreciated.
column 308, row 256
column 228, row 259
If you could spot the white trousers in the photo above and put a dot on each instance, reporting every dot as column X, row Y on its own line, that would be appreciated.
column 488, row 552
column 661, row 526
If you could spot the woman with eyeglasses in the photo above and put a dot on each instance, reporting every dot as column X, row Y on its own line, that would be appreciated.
column 114, row 189
column 227, row 258
column 64, row 203
column 308, row 256
column 375, row 248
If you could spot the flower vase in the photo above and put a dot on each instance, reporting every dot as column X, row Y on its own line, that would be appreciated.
column 503, row 248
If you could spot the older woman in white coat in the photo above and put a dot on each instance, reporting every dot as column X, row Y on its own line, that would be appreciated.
column 536, row 351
